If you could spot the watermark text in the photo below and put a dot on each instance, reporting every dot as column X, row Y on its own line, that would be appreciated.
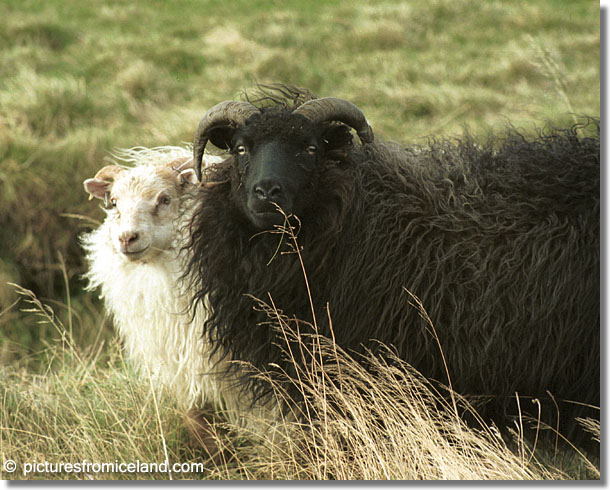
column 91, row 467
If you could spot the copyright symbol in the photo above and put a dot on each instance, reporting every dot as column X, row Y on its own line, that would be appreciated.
column 10, row 466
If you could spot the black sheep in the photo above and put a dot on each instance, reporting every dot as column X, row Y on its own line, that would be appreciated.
column 500, row 241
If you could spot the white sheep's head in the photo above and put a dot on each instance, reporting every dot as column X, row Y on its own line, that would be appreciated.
column 143, row 205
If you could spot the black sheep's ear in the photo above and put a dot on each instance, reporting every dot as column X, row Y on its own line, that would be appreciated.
column 221, row 136
column 338, row 137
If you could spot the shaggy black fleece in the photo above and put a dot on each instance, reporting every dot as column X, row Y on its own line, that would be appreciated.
column 500, row 241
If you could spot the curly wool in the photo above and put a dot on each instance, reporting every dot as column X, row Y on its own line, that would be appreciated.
column 500, row 241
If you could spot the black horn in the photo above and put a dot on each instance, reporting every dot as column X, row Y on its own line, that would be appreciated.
column 334, row 109
column 228, row 113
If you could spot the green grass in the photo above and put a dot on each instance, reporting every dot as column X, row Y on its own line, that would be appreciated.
column 78, row 79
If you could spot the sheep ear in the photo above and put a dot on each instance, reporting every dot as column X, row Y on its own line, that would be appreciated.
column 338, row 142
column 100, row 185
column 221, row 136
column 338, row 136
column 186, row 172
column 97, row 188
column 188, row 176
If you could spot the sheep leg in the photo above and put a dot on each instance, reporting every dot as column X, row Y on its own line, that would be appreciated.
column 203, row 434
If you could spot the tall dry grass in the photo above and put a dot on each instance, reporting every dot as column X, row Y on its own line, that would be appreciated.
column 373, row 417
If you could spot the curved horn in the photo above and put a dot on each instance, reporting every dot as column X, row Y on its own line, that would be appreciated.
column 334, row 109
column 228, row 113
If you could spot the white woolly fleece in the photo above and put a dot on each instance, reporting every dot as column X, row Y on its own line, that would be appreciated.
column 150, row 310
column 149, row 313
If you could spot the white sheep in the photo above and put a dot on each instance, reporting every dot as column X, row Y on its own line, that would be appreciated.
column 135, row 260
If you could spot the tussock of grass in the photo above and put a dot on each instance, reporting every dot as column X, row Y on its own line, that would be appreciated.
column 367, row 418
column 85, row 406
column 49, row 106
column 387, row 422
column 81, row 411
column 51, row 35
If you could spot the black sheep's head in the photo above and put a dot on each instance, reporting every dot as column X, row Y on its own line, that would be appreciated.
column 277, row 151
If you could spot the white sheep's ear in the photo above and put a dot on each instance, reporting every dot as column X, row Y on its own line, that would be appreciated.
column 97, row 188
column 184, row 167
column 188, row 176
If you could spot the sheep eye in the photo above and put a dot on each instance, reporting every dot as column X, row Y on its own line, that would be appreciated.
column 112, row 203
column 311, row 149
column 241, row 150
column 164, row 200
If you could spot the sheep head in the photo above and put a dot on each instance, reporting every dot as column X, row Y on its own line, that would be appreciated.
column 143, row 204
column 277, row 152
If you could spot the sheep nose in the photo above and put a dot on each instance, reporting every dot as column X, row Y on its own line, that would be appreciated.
column 267, row 190
column 128, row 238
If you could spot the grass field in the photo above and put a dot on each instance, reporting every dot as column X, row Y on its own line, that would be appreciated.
column 78, row 79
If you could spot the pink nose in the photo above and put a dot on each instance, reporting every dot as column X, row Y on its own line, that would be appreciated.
column 127, row 239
